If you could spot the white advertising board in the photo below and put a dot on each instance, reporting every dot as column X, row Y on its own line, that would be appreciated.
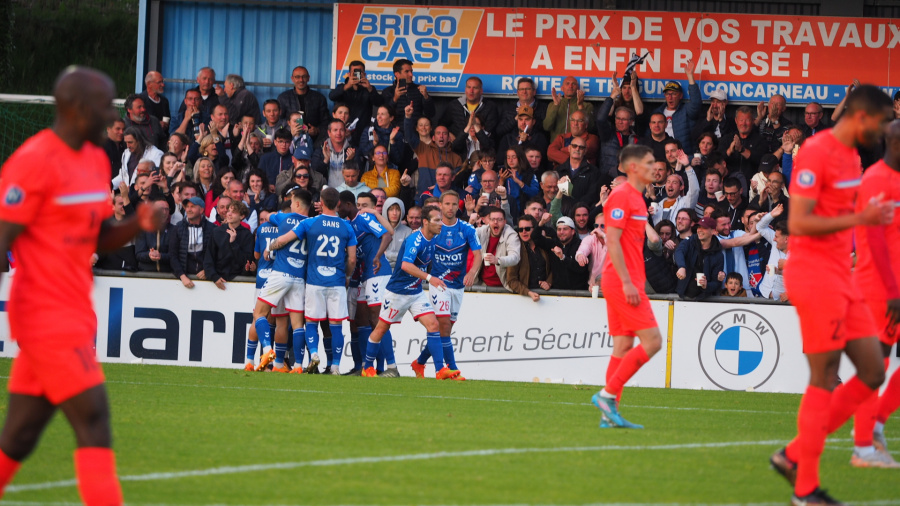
column 498, row 337
column 741, row 347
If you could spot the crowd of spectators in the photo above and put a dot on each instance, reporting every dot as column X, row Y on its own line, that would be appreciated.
column 533, row 175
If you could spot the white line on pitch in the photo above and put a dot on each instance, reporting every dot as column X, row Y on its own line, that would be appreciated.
column 881, row 502
column 388, row 458
column 443, row 397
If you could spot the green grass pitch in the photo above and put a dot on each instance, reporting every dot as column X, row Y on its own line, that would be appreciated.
column 209, row 436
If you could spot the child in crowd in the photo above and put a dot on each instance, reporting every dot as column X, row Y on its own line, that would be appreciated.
column 734, row 285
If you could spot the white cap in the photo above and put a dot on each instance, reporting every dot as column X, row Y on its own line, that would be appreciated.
column 718, row 95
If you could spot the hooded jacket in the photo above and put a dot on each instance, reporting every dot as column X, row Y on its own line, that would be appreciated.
column 401, row 231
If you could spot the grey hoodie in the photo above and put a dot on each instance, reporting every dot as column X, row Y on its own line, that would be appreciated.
column 401, row 231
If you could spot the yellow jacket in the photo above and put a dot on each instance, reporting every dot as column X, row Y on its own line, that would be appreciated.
column 391, row 178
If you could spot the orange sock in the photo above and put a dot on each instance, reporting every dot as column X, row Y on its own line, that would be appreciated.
column 890, row 398
column 611, row 371
column 8, row 469
column 98, row 484
column 631, row 363
column 812, row 425
column 845, row 400
column 864, row 421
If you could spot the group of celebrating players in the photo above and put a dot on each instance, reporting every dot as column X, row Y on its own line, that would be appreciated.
column 332, row 268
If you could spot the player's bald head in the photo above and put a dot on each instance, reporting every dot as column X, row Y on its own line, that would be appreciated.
column 76, row 86
column 84, row 105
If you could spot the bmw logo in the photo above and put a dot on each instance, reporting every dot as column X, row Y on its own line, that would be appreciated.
column 806, row 178
column 738, row 349
column 617, row 214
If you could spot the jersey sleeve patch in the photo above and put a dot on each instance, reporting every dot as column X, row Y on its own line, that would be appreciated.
column 806, row 178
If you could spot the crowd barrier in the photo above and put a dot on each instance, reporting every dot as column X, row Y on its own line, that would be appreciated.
column 563, row 338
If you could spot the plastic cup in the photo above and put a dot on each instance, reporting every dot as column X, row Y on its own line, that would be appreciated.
column 719, row 195
column 700, row 277
column 166, row 119
column 595, row 291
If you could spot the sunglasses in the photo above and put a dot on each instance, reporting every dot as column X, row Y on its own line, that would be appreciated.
column 598, row 225
column 576, row 146
column 524, row 229
column 301, row 176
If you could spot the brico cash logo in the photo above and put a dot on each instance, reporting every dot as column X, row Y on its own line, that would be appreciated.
column 435, row 40
column 739, row 349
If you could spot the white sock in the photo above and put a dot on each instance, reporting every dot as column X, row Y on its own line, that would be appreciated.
column 879, row 428
column 390, row 366
column 863, row 451
column 267, row 349
column 606, row 395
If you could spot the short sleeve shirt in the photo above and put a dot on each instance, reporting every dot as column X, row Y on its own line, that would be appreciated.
column 60, row 196
column 828, row 172
column 327, row 238
column 625, row 209
column 290, row 259
column 418, row 251
column 451, row 251
column 878, row 179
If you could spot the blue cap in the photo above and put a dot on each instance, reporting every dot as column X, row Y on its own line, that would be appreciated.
column 197, row 201
column 302, row 153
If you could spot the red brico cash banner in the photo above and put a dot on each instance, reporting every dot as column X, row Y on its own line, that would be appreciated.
column 749, row 56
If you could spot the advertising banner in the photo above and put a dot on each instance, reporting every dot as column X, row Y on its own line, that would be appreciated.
column 498, row 336
column 741, row 347
column 750, row 56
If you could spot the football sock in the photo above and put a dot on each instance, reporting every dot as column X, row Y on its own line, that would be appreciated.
column 379, row 358
column 890, row 398
column 263, row 332
column 864, row 421
column 447, row 345
column 337, row 343
column 371, row 353
column 312, row 337
column 611, row 371
column 387, row 349
column 437, row 350
column 364, row 333
column 631, row 363
column 299, row 336
column 425, row 355
column 95, row 469
column 8, row 469
column 354, row 349
column 327, row 343
column 845, row 400
column 251, row 350
column 280, row 350
column 812, row 427
column 863, row 451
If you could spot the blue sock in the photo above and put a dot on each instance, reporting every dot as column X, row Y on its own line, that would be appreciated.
column 364, row 333
column 387, row 348
column 424, row 356
column 280, row 350
column 329, row 351
column 379, row 364
column 251, row 350
column 263, row 332
column 371, row 352
column 337, row 343
column 270, row 334
column 312, row 337
column 447, row 345
column 299, row 342
column 437, row 351
column 354, row 349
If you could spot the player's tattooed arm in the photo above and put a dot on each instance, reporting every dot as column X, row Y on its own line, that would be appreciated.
column 283, row 240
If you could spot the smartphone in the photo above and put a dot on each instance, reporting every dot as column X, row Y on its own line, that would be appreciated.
column 300, row 119
column 357, row 74
column 401, row 83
